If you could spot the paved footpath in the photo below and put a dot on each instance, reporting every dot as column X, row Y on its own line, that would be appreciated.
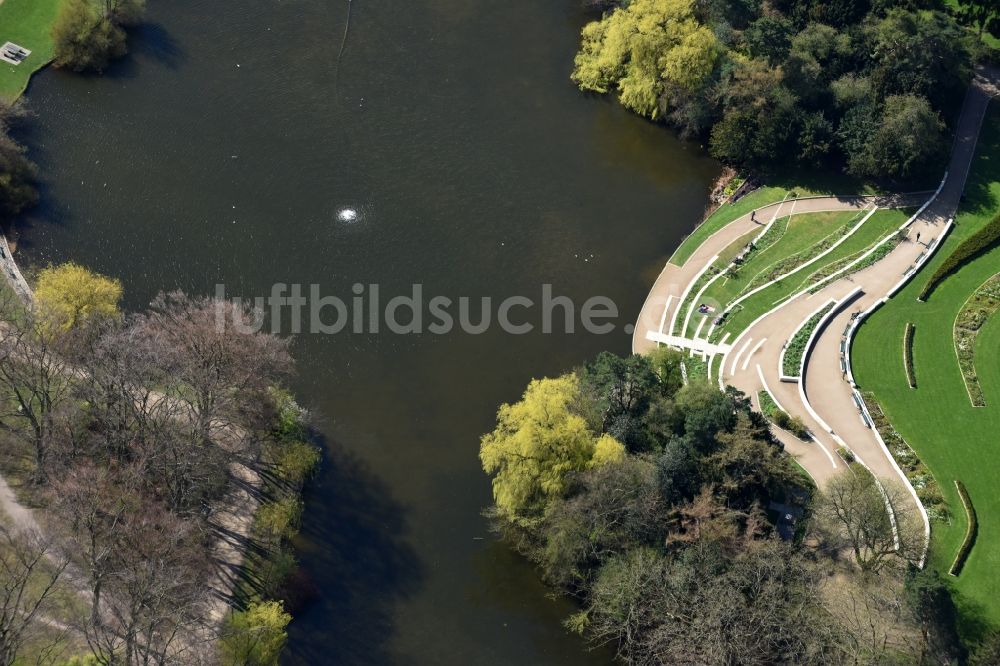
column 824, row 399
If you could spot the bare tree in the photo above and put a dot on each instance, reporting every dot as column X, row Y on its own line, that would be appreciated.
column 35, row 376
column 29, row 572
column 222, row 373
column 871, row 519
column 154, row 607
column 93, row 502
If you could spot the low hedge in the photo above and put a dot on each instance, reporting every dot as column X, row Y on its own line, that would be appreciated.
column 971, row 247
column 970, row 533
column 908, row 354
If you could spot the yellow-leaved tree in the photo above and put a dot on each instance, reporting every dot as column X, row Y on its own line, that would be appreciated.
column 642, row 49
column 70, row 294
column 536, row 443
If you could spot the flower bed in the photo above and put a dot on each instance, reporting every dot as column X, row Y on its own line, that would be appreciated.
column 780, row 417
column 971, row 532
column 983, row 303
column 971, row 247
column 791, row 360
column 908, row 354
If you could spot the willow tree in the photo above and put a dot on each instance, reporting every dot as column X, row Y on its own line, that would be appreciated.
column 647, row 51
column 70, row 295
column 537, row 443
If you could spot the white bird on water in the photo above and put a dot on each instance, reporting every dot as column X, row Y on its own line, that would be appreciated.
column 347, row 215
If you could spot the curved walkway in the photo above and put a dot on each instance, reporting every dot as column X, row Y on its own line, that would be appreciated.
column 825, row 398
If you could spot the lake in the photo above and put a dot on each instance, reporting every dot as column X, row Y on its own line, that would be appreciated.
column 222, row 151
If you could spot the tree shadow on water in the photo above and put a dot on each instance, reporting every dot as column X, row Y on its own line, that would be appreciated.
column 354, row 554
column 155, row 42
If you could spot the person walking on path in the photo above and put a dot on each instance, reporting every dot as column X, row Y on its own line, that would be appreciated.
column 918, row 236
column 753, row 216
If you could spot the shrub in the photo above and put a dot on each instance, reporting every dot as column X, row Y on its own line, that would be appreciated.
column 908, row 354
column 791, row 360
column 798, row 428
column 254, row 637
column 970, row 533
column 971, row 247
column 296, row 461
column 279, row 520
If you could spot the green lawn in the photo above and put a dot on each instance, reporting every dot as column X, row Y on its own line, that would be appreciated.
column 29, row 24
column 722, row 216
column 799, row 233
column 792, row 184
column 873, row 230
column 955, row 440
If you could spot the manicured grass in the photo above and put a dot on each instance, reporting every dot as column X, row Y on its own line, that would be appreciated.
column 27, row 23
column 722, row 216
column 956, row 440
column 801, row 232
column 878, row 226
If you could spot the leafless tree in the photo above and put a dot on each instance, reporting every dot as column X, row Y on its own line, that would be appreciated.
column 154, row 607
column 29, row 572
column 223, row 374
column 872, row 520
column 36, row 377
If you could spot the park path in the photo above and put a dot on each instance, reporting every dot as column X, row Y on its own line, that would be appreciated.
column 825, row 397
column 671, row 286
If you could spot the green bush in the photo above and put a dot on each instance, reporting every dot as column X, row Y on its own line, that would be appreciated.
column 791, row 362
column 908, row 354
column 971, row 247
column 279, row 520
column 254, row 637
column 970, row 533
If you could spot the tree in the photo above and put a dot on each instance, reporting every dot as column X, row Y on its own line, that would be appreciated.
column 854, row 511
column 701, row 608
column 905, row 140
column 760, row 115
column 34, row 377
column 983, row 14
column 29, row 573
column 921, row 53
column 621, row 389
column 154, row 606
column 72, row 295
column 254, row 637
column 644, row 50
column 88, row 34
column 17, row 173
column 749, row 466
column 934, row 612
column 769, row 37
column 607, row 510
column 222, row 373
column 536, row 443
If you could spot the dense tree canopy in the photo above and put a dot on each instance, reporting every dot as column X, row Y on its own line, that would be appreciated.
column 792, row 81
column 670, row 544
column 71, row 295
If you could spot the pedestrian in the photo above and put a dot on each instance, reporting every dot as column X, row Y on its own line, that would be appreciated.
column 918, row 236
column 753, row 216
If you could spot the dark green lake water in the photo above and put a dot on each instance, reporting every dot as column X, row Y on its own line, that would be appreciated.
column 221, row 151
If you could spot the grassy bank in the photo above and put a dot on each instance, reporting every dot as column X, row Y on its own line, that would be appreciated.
column 937, row 418
column 27, row 23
